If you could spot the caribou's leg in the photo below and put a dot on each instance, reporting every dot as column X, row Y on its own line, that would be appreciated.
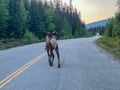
column 52, row 58
column 49, row 57
column 57, row 52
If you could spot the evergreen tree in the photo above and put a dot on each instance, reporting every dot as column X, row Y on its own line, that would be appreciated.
column 18, row 19
column 66, row 29
column 4, row 16
column 113, row 25
column 116, row 28
column 37, row 17
column 49, row 15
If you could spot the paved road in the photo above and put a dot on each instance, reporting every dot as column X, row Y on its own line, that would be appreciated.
column 84, row 66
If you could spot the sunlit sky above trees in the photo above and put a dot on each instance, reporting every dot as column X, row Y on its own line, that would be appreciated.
column 94, row 10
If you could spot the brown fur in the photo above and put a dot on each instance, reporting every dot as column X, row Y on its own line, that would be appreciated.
column 51, row 44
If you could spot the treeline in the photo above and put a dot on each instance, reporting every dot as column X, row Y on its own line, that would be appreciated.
column 21, row 19
column 97, row 30
column 113, row 25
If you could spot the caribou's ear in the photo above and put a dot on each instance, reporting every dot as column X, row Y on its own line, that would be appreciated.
column 54, row 32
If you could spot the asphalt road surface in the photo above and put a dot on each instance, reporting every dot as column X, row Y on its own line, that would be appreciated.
column 84, row 66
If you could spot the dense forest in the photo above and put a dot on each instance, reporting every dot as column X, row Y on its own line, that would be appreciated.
column 28, row 19
column 111, row 38
column 113, row 25
column 97, row 30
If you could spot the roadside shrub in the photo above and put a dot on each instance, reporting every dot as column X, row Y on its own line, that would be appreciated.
column 110, row 42
column 29, row 37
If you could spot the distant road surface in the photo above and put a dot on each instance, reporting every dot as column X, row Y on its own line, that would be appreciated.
column 84, row 66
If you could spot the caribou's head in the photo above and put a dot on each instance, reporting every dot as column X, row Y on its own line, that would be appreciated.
column 52, row 34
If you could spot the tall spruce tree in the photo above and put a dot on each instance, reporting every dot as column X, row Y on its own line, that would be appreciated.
column 49, row 15
column 18, row 19
column 37, row 15
column 117, row 21
column 4, row 16
column 66, row 29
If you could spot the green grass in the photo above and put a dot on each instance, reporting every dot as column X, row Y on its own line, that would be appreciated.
column 10, row 43
column 112, row 45
column 28, row 38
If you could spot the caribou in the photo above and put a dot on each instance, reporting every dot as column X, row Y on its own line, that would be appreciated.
column 51, row 44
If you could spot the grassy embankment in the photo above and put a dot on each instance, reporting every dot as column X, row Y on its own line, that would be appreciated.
column 28, row 38
column 9, row 43
column 112, row 45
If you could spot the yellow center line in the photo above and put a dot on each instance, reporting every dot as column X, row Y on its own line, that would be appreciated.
column 23, row 68
column 20, row 70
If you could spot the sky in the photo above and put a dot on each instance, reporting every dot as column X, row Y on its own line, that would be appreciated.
column 95, row 10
